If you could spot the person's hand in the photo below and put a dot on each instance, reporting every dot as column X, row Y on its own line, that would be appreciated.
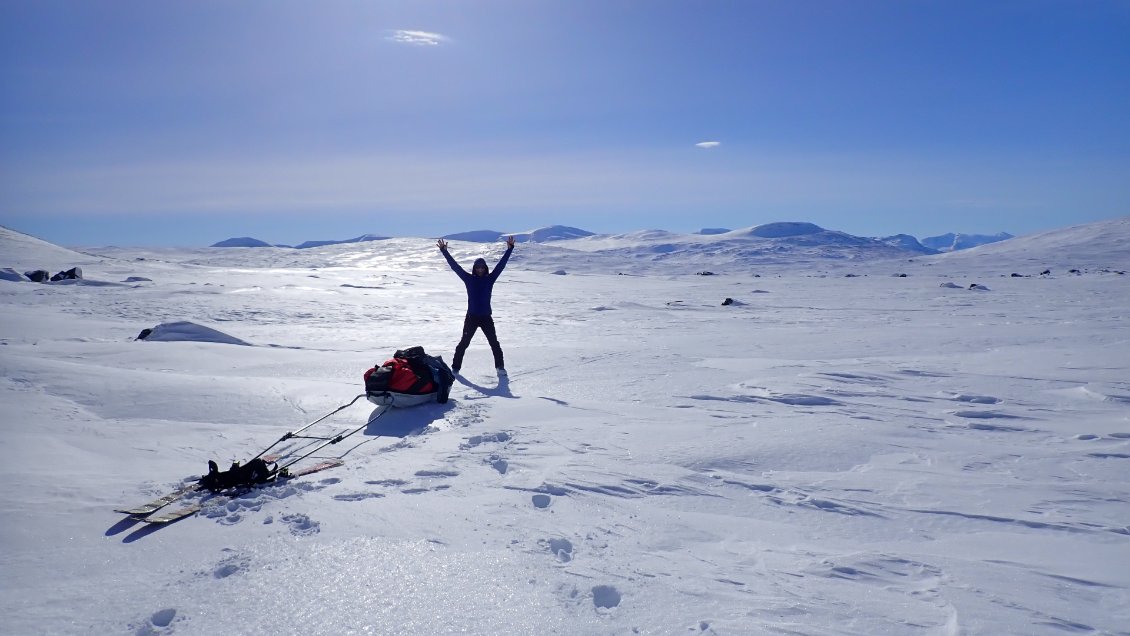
column 510, row 241
column 442, row 245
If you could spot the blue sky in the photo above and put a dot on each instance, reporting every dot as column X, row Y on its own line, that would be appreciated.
column 185, row 123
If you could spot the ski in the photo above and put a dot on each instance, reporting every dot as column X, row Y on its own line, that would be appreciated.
column 153, row 506
column 191, row 509
column 160, row 502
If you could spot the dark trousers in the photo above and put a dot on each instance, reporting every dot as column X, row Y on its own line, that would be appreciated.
column 471, row 324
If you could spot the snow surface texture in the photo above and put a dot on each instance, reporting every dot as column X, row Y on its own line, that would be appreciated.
column 843, row 450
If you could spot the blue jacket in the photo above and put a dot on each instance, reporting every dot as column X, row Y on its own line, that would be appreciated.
column 479, row 288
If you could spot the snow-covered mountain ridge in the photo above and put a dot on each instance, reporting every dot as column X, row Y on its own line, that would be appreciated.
column 790, row 231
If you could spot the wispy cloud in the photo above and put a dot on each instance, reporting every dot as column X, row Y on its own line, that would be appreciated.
column 708, row 144
column 418, row 38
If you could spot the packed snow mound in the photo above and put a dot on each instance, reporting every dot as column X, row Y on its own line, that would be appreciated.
column 22, row 252
column 242, row 241
column 784, row 229
column 551, row 233
column 185, row 331
column 364, row 238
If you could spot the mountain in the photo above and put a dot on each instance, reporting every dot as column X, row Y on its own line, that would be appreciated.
column 242, row 241
column 952, row 242
column 907, row 242
column 358, row 239
column 777, row 243
column 475, row 236
column 713, row 230
column 551, row 233
column 1099, row 245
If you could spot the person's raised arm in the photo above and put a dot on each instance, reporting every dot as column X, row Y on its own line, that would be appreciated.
column 442, row 245
column 505, row 258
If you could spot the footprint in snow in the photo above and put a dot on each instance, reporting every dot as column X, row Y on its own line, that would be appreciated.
column 606, row 597
column 561, row 548
column 231, row 565
column 159, row 623
column 476, row 440
column 437, row 473
column 302, row 525
column 358, row 496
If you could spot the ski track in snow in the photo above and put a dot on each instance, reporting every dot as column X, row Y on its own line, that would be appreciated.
column 831, row 455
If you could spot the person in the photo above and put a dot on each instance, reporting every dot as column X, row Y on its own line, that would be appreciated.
column 480, row 284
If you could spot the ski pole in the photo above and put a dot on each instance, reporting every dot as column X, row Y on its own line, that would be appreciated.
column 295, row 433
column 336, row 439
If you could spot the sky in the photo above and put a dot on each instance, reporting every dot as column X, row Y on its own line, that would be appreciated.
column 186, row 123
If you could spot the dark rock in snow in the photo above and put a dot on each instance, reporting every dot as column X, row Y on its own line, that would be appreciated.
column 74, row 273
column 38, row 275
column 705, row 273
column 728, row 301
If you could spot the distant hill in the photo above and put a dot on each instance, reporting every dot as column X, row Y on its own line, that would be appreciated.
column 952, row 242
column 541, row 235
column 770, row 243
column 907, row 242
column 708, row 231
column 1102, row 244
column 242, row 241
column 475, row 236
column 357, row 239
column 551, row 233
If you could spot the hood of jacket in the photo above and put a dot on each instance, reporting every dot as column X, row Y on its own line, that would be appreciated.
column 477, row 263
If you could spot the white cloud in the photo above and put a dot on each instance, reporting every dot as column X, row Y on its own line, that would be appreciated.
column 418, row 38
column 708, row 144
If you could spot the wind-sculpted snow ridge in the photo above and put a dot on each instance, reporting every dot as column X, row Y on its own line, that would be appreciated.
column 185, row 331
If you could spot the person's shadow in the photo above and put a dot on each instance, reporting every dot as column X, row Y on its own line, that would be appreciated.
column 502, row 390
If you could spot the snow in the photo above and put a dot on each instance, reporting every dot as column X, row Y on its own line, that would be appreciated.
column 871, row 454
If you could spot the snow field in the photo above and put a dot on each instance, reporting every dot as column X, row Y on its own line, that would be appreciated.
column 834, row 455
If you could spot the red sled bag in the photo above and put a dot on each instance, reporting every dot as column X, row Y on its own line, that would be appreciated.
column 411, row 377
column 398, row 376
